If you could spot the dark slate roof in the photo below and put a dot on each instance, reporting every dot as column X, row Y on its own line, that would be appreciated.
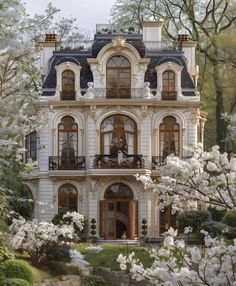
column 77, row 57
column 168, row 56
column 80, row 57
column 134, row 39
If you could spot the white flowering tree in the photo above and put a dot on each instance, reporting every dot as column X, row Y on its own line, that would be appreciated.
column 207, row 178
column 36, row 238
column 177, row 264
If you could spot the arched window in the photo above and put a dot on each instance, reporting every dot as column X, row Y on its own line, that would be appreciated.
column 118, row 77
column 67, row 142
column 67, row 198
column 68, row 85
column 168, row 85
column 169, row 137
column 118, row 132
column 119, row 191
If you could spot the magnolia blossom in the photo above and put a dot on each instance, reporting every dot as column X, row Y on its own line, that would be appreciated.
column 175, row 263
column 206, row 177
column 36, row 238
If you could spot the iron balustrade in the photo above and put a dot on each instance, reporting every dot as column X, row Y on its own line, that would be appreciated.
column 119, row 161
column 66, row 163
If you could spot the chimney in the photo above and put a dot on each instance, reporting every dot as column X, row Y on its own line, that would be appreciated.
column 152, row 34
column 49, row 45
column 188, row 47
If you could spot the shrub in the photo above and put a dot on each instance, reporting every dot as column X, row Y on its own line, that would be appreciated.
column 230, row 218
column 15, row 282
column 94, row 280
column 213, row 228
column 14, row 268
column 144, row 227
column 59, row 252
column 231, row 233
column 216, row 215
column 193, row 219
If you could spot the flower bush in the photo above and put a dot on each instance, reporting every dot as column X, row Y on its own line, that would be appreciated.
column 36, row 238
column 175, row 263
column 208, row 178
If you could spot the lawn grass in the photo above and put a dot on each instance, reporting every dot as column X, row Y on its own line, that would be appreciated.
column 107, row 258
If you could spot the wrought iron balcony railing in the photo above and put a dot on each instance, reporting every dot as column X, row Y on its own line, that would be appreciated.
column 66, row 163
column 119, row 161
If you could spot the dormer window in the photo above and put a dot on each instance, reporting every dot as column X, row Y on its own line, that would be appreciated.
column 118, row 77
column 68, row 85
column 168, row 86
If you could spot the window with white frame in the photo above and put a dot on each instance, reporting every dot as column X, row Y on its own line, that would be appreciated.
column 168, row 85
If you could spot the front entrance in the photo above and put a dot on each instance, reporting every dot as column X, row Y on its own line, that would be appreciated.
column 118, row 213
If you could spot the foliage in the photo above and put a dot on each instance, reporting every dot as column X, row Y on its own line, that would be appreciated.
column 230, row 218
column 193, row 219
column 15, row 282
column 14, row 268
column 93, row 227
column 212, row 25
column 214, row 228
column 94, row 280
column 216, row 215
column 36, row 238
column 144, row 227
column 60, row 252
column 206, row 178
column 178, row 264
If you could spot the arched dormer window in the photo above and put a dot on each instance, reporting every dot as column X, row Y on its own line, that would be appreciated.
column 118, row 132
column 168, row 86
column 118, row 79
column 67, row 198
column 67, row 143
column 68, row 85
column 169, row 137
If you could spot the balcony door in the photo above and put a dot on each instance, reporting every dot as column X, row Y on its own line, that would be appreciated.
column 67, row 143
column 118, row 81
column 118, row 213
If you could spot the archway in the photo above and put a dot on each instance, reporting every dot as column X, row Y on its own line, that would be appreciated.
column 118, row 212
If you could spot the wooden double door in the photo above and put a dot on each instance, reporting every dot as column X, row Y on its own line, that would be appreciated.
column 118, row 217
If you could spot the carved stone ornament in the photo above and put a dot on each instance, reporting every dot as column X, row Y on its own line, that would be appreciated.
column 118, row 43
column 194, row 116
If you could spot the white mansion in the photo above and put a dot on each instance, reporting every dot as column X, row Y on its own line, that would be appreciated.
column 114, row 110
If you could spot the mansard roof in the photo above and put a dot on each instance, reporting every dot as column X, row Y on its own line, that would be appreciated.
column 80, row 57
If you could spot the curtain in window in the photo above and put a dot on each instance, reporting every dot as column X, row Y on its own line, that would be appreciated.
column 118, row 132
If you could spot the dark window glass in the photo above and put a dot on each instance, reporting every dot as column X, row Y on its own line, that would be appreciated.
column 168, row 85
column 118, row 77
column 67, row 198
column 118, row 132
column 169, row 137
column 119, row 191
column 31, row 146
column 68, row 85
column 68, row 140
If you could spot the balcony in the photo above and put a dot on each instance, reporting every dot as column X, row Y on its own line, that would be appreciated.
column 64, row 163
column 118, row 161
column 67, row 95
column 114, row 93
column 169, row 95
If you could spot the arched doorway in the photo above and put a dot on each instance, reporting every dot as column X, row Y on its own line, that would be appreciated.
column 118, row 213
column 67, row 199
